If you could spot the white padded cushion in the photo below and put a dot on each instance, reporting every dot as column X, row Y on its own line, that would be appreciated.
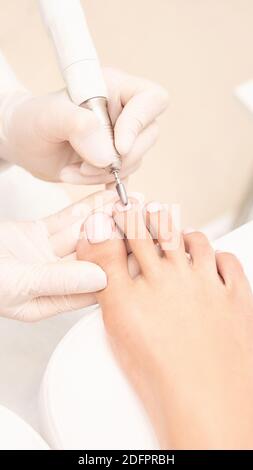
column 15, row 434
column 86, row 401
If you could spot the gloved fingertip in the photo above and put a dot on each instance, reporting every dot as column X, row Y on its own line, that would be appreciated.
column 93, row 278
column 69, row 278
column 124, row 142
column 97, row 148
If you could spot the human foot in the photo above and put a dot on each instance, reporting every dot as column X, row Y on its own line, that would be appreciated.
column 182, row 330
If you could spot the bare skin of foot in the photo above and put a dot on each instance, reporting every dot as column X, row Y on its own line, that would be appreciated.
column 182, row 329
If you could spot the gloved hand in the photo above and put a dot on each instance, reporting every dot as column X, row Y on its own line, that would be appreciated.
column 39, row 273
column 58, row 141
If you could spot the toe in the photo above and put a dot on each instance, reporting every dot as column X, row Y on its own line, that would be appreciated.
column 162, row 227
column 200, row 251
column 130, row 221
column 230, row 270
column 101, row 243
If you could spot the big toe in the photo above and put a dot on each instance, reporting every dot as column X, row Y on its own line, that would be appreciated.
column 101, row 243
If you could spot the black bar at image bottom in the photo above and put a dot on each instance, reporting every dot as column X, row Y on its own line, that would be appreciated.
column 110, row 459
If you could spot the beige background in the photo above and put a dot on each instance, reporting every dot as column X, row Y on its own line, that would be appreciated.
column 199, row 50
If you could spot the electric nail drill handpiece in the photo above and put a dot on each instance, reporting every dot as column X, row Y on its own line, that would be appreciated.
column 80, row 67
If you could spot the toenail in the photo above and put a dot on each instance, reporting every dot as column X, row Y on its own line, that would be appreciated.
column 138, row 196
column 122, row 208
column 153, row 207
column 99, row 227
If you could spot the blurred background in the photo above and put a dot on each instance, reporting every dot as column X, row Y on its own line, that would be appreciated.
column 200, row 50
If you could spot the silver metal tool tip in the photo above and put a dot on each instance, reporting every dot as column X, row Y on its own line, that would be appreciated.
column 121, row 190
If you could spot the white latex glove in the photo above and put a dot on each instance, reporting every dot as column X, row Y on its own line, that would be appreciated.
column 58, row 141
column 39, row 273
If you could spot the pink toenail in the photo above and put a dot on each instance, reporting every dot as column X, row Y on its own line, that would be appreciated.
column 99, row 227
column 122, row 208
column 152, row 207
column 138, row 196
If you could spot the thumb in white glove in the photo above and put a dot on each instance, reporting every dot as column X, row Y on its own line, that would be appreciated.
column 39, row 274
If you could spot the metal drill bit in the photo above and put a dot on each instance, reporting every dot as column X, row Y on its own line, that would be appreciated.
column 121, row 190
column 98, row 105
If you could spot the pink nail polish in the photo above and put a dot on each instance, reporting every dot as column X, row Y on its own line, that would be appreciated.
column 153, row 207
column 138, row 196
column 122, row 208
column 99, row 227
